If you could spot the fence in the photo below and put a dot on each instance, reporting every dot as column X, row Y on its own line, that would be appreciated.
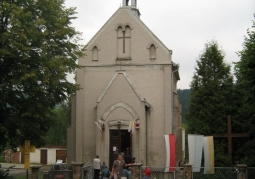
column 58, row 174
column 219, row 173
column 159, row 173
column 87, row 171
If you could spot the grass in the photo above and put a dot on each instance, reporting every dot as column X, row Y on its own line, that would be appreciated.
column 29, row 176
column 1, row 158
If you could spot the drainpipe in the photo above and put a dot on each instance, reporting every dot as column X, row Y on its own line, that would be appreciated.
column 147, row 107
column 173, row 98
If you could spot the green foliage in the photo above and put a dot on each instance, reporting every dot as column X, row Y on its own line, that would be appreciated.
column 38, row 47
column 211, row 96
column 245, row 87
column 56, row 136
column 184, row 96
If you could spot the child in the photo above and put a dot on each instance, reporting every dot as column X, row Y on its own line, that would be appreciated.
column 106, row 173
column 147, row 173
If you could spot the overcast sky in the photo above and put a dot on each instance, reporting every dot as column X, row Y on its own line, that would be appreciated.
column 184, row 26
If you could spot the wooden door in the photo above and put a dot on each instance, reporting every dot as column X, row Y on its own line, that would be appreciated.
column 44, row 157
column 61, row 155
column 120, row 139
column 115, row 142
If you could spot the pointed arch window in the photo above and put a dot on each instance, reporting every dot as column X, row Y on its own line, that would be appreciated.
column 124, row 42
column 95, row 50
column 152, row 51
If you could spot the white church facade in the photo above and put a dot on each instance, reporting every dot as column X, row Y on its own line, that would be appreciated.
column 127, row 77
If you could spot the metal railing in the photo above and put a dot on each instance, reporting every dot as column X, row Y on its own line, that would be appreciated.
column 58, row 174
column 87, row 171
column 159, row 173
column 219, row 173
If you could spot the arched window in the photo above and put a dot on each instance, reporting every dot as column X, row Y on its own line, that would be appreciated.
column 95, row 53
column 124, row 42
column 152, row 52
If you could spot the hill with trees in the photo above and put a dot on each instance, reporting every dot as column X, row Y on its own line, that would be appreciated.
column 184, row 96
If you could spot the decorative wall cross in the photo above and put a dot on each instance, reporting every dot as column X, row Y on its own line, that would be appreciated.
column 26, row 150
column 230, row 135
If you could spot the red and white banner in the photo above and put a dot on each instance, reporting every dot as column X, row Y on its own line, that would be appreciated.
column 170, row 151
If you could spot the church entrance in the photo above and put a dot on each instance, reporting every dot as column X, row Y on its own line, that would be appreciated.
column 121, row 140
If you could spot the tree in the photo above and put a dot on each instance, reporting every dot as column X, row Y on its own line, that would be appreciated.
column 184, row 96
column 211, row 96
column 245, row 86
column 38, row 48
column 57, row 136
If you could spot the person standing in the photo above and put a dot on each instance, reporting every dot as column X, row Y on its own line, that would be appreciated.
column 96, row 165
column 106, row 173
column 117, row 167
column 116, row 154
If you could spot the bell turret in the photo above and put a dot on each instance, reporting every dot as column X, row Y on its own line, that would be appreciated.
column 133, row 6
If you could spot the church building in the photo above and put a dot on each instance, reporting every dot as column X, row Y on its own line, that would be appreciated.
column 128, row 96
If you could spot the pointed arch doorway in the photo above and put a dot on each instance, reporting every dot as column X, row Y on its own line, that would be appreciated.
column 119, row 139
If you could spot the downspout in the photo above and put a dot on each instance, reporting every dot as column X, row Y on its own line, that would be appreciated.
column 173, row 98
column 147, row 107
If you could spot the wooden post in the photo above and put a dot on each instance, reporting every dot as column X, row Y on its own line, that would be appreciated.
column 230, row 135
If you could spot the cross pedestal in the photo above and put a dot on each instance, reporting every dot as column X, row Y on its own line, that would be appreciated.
column 26, row 150
column 230, row 135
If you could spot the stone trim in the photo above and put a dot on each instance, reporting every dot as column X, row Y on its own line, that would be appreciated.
column 94, row 47
column 123, row 26
column 128, row 80
column 123, row 105
column 152, row 43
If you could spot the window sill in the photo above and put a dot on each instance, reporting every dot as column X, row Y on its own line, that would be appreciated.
column 123, row 59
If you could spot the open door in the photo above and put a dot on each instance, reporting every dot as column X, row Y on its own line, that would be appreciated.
column 119, row 139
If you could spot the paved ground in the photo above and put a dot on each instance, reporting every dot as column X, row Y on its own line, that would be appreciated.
column 19, row 170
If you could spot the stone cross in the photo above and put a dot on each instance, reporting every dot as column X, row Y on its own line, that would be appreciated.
column 230, row 135
column 26, row 150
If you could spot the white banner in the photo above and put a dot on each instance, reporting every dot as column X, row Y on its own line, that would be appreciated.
column 195, row 143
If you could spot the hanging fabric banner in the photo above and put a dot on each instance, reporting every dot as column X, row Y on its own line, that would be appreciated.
column 183, row 142
column 131, row 126
column 208, row 155
column 99, row 124
column 170, row 151
column 195, row 143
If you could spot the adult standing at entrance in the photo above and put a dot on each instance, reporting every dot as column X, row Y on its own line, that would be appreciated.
column 116, row 154
column 117, row 167
column 96, row 165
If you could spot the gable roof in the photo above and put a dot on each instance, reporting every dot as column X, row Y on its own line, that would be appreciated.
column 135, row 17
column 129, row 82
